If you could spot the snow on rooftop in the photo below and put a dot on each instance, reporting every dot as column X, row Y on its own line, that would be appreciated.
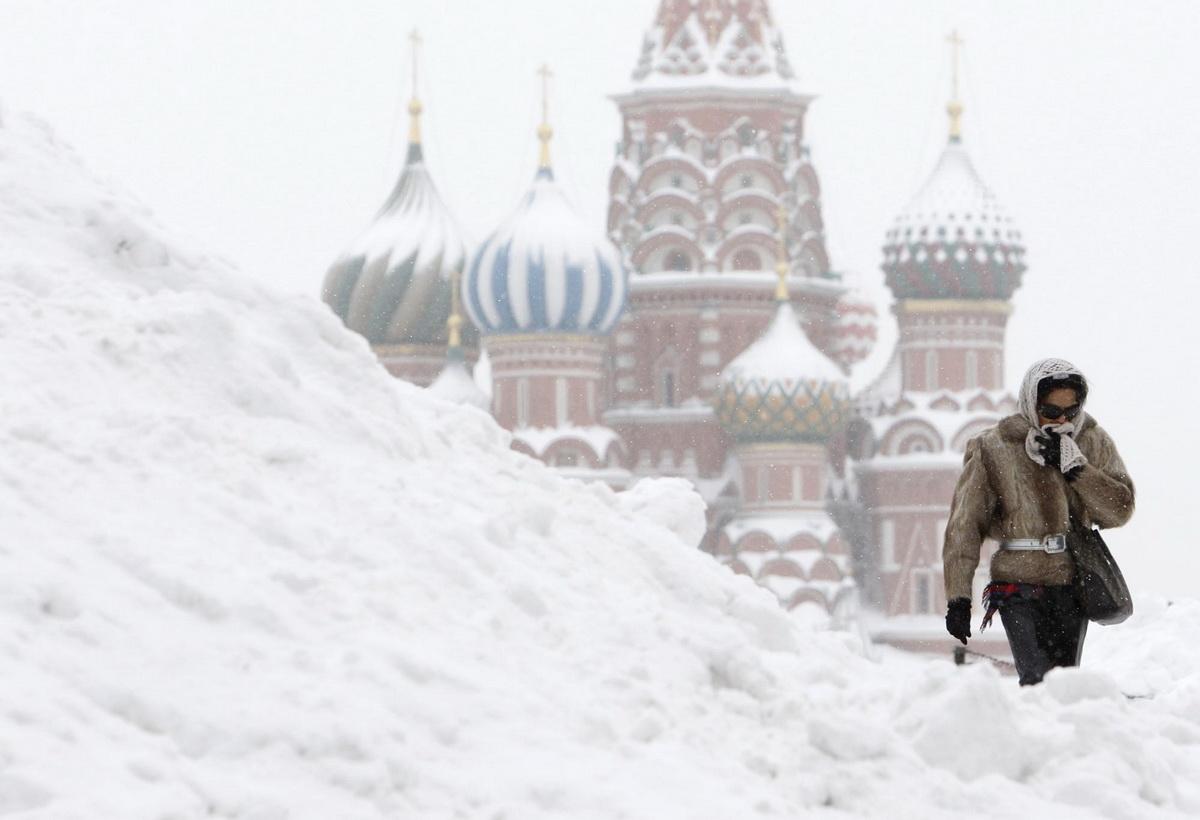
column 782, row 355
column 954, row 196
column 247, row 574
column 393, row 283
column 643, row 282
column 716, row 44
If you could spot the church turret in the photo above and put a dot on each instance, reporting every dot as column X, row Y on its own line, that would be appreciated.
column 393, row 284
column 952, row 259
column 545, row 288
column 712, row 145
column 782, row 400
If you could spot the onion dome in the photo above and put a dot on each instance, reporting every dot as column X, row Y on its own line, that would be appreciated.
column 393, row 284
column 953, row 241
column 854, row 329
column 782, row 388
column 545, row 270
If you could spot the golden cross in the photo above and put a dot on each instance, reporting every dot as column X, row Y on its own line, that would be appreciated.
column 955, row 42
column 544, row 131
column 954, row 108
column 414, row 105
column 415, row 39
column 546, row 74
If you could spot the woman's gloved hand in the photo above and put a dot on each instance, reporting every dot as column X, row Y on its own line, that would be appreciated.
column 1050, row 447
column 958, row 618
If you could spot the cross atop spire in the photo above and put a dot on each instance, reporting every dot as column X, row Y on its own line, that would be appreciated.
column 545, row 132
column 954, row 108
column 414, row 104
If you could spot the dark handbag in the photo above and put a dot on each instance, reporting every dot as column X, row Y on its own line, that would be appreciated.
column 1099, row 584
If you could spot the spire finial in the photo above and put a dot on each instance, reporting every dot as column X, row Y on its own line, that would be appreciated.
column 454, row 323
column 782, row 266
column 414, row 104
column 545, row 132
column 954, row 108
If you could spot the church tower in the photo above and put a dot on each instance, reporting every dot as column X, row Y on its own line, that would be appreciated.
column 712, row 146
column 952, row 259
column 394, row 283
column 545, row 290
column 782, row 400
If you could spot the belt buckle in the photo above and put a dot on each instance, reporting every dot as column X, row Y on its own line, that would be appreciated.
column 1055, row 544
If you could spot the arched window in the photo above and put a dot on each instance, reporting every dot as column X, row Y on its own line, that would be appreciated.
column 667, row 388
column 922, row 603
column 678, row 260
column 931, row 370
column 972, row 368
column 747, row 259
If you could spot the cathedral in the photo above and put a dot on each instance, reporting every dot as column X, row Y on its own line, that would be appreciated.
column 704, row 332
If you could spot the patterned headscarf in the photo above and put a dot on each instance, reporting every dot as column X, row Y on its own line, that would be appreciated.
column 1027, row 402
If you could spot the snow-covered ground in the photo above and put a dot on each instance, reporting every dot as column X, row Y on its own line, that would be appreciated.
column 246, row 574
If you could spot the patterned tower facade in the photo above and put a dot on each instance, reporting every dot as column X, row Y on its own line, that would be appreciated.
column 712, row 147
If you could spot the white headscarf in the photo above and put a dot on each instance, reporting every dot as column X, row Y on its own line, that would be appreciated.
column 1027, row 402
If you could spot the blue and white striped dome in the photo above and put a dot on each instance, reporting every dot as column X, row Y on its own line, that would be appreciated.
column 545, row 271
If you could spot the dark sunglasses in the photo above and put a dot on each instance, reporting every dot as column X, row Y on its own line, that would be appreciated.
column 1053, row 411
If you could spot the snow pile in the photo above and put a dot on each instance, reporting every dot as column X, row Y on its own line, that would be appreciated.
column 246, row 574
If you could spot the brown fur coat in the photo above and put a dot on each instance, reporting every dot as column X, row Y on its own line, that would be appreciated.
column 1002, row 493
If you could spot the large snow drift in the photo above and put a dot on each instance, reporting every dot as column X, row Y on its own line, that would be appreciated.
column 246, row 574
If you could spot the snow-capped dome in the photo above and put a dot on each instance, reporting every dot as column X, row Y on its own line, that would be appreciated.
column 854, row 330
column 782, row 387
column 545, row 270
column 953, row 240
column 393, row 284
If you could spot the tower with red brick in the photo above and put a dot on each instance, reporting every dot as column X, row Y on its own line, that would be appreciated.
column 952, row 260
column 712, row 146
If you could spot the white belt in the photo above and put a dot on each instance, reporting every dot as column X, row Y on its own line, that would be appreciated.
column 1051, row 544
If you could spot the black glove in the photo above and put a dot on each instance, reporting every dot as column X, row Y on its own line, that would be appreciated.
column 958, row 618
column 1051, row 449
column 1074, row 472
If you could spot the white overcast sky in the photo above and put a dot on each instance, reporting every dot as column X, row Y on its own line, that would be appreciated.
column 269, row 131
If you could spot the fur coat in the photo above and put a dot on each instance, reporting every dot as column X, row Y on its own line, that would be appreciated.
column 1002, row 493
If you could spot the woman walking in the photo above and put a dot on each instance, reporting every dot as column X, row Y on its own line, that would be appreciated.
column 1026, row 483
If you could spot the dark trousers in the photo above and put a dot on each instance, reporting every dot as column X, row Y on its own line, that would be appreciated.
column 1044, row 630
